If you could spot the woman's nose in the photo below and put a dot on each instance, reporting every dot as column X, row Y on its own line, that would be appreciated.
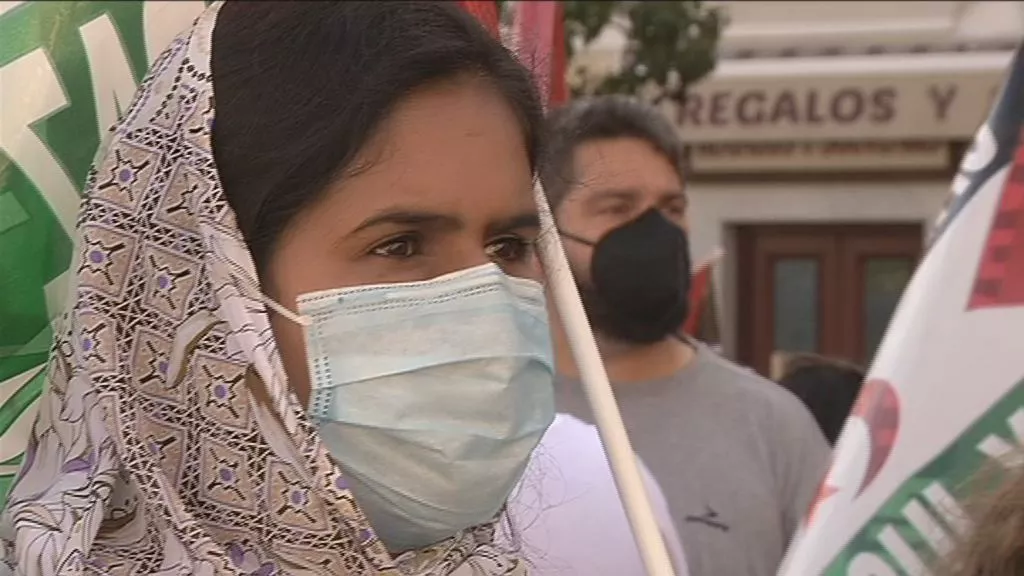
column 461, row 255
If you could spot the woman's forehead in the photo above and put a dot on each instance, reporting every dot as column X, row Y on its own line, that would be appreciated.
column 453, row 148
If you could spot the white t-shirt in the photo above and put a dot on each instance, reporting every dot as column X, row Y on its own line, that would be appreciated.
column 566, row 513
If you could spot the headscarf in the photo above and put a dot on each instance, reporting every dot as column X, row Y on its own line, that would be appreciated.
column 149, row 454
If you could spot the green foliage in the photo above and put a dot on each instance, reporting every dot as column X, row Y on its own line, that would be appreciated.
column 671, row 44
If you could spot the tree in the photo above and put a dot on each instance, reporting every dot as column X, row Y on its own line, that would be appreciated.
column 670, row 44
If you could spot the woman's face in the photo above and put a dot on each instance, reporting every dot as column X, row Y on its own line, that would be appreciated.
column 446, row 186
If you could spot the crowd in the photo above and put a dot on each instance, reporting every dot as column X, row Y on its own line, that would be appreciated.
column 308, row 333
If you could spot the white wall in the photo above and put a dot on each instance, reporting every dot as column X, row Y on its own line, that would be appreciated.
column 764, row 25
column 715, row 209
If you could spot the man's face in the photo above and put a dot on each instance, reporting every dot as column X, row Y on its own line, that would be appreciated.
column 616, row 180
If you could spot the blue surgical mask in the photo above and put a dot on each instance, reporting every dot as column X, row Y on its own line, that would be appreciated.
column 431, row 395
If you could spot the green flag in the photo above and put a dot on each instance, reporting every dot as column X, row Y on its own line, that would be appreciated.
column 67, row 70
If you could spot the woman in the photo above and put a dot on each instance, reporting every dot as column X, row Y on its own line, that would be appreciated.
column 993, row 544
column 305, row 335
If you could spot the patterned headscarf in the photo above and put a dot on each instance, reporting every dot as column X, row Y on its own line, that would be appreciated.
column 150, row 455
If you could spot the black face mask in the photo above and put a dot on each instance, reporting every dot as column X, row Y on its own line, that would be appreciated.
column 640, row 275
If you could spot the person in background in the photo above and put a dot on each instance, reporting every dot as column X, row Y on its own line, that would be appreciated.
column 306, row 332
column 827, row 387
column 738, row 457
column 566, row 513
column 993, row 544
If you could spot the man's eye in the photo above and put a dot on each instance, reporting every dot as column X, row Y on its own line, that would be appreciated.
column 675, row 212
column 401, row 247
column 509, row 249
column 616, row 209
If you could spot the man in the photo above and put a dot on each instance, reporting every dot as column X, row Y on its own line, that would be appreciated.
column 738, row 457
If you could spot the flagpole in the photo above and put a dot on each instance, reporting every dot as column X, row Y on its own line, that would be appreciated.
column 700, row 290
column 536, row 27
column 620, row 453
column 717, row 254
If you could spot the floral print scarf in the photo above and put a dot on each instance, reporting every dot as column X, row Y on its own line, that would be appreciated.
column 149, row 454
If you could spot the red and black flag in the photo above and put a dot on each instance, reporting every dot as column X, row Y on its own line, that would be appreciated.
column 486, row 11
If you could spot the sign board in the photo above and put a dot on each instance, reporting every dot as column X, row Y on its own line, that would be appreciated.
column 804, row 157
column 941, row 106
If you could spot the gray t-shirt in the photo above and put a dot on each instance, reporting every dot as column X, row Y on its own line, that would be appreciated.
column 739, row 459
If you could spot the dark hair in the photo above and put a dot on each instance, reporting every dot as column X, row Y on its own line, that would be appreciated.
column 599, row 118
column 302, row 86
column 827, row 387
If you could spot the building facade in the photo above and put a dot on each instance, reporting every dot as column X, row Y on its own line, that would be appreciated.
column 822, row 150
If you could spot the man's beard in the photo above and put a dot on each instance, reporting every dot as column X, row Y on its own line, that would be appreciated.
column 615, row 323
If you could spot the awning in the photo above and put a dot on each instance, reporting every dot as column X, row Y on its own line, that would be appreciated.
column 864, row 65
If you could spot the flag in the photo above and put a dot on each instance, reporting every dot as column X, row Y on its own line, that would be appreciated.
column 67, row 70
column 540, row 33
column 702, row 321
column 486, row 11
column 559, row 93
column 945, row 396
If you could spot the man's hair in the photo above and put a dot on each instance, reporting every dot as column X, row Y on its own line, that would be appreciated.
column 599, row 118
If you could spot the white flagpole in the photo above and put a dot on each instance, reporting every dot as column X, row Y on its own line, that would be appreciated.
column 534, row 36
column 581, row 341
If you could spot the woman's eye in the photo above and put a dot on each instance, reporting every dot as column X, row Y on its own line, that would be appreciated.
column 510, row 249
column 400, row 247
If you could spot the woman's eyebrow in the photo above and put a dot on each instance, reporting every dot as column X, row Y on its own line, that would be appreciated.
column 518, row 222
column 405, row 217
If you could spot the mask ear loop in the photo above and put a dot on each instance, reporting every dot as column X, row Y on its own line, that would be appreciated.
column 297, row 318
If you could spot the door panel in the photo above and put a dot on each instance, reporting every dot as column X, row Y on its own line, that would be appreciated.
column 824, row 289
column 877, row 267
column 797, row 303
column 882, row 282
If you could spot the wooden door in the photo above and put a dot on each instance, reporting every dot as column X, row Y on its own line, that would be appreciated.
column 824, row 289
